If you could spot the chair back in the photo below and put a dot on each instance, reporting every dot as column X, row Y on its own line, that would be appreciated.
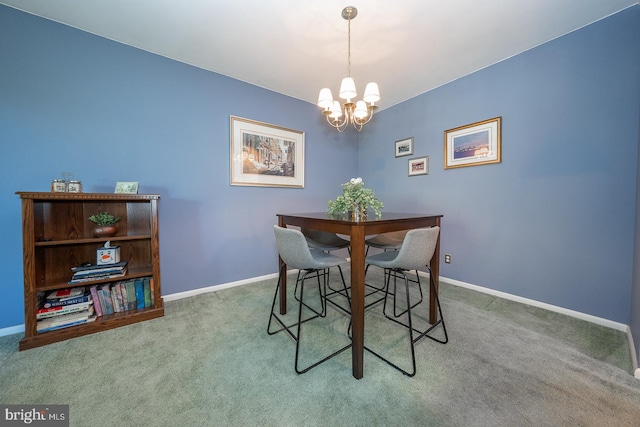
column 293, row 248
column 417, row 248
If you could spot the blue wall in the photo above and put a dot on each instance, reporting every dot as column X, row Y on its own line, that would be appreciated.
column 71, row 101
column 553, row 222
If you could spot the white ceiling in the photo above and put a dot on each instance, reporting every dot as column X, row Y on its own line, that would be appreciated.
column 296, row 47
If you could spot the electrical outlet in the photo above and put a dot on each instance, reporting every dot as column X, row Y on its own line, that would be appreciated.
column 447, row 258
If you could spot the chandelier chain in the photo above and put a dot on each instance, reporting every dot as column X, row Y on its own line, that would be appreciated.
column 349, row 48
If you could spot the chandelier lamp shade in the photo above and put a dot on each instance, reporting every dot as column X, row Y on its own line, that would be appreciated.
column 356, row 113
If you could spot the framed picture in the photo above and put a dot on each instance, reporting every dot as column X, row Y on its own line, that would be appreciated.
column 126, row 188
column 404, row 147
column 475, row 144
column 419, row 166
column 266, row 155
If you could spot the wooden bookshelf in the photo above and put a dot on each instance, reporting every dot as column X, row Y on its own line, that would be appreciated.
column 56, row 236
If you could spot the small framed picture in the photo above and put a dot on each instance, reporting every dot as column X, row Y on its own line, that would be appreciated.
column 404, row 147
column 126, row 188
column 419, row 166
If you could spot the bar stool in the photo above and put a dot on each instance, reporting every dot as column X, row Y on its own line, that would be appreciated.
column 416, row 251
column 311, row 263
column 329, row 242
column 392, row 241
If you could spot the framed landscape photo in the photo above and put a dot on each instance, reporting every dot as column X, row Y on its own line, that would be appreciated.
column 419, row 166
column 265, row 155
column 126, row 188
column 475, row 144
column 404, row 147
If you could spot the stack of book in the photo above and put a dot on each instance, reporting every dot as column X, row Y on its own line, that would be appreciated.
column 123, row 295
column 63, row 308
column 98, row 272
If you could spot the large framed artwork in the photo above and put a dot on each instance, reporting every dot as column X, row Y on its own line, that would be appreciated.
column 475, row 144
column 266, row 155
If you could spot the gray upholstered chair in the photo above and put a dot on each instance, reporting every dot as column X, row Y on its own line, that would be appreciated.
column 416, row 252
column 311, row 264
column 324, row 240
column 392, row 241
column 329, row 242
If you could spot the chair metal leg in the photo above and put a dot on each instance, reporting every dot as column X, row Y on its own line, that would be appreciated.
column 344, row 292
column 297, row 334
column 409, row 326
column 274, row 316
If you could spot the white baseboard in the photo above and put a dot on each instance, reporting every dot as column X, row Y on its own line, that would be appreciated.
column 583, row 316
column 199, row 291
column 12, row 330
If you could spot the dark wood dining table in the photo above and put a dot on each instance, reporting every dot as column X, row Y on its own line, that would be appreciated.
column 357, row 230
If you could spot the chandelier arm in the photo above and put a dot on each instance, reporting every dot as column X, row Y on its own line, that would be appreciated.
column 341, row 127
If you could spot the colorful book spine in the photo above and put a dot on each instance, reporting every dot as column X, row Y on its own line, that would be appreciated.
column 153, row 293
column 123, row 291
column 147, row 292
column 139, row 285
column 114, row 299
column 96, row 300
column 105, row 292
column 131, row 294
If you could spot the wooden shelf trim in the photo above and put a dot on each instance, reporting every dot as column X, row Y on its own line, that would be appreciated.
column 92, row 240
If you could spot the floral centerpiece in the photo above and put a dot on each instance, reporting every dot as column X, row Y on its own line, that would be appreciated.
column 355, row 198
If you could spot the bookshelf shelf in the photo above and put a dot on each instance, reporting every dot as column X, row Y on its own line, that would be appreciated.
column 58, row 236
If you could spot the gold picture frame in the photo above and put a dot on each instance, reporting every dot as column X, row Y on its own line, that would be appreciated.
column 265, row 155
column 475, row 144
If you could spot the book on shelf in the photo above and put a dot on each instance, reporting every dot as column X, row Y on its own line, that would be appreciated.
column 96, row 300
column 60, row 302
column 44, row 313
column 131, row 293
column 123, row 295
column 65, row 320
column 101, row 267
column 123, row 291
column 147, row 291
column 139, row 287
column 105, row 299
column 65, row 293
column 86, row 274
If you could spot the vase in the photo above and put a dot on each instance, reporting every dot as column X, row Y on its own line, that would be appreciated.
column 105, row 231
column 358, row 213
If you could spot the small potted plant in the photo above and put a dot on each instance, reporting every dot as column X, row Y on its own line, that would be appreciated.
column 355, row 200
column 106, row 224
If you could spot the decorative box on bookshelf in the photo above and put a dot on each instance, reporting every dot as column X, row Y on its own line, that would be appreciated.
column 57, row 237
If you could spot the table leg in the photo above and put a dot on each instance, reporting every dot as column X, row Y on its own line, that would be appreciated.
column 357, row 300
column 283, row 281
column 434, row 265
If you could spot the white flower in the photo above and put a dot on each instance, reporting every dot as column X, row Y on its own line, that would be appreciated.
column 357, row 180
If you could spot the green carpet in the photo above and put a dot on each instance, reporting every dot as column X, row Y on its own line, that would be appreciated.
column 210, row 362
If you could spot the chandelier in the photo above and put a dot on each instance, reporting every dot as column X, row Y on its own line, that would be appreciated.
column 350, row 112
